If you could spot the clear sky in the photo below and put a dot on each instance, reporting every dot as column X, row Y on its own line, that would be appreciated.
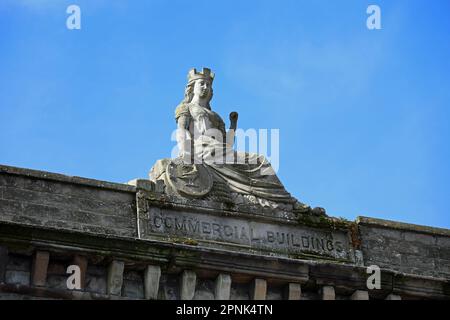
column 363, row 114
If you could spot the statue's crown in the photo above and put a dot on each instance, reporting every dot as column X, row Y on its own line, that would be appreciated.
column 205, row 74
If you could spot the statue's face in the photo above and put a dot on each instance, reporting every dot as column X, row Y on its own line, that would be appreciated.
column 202, row 88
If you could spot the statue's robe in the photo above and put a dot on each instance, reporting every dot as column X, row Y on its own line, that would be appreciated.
column 244, row 173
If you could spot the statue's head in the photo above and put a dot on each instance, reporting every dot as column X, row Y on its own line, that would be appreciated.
column 199, row 84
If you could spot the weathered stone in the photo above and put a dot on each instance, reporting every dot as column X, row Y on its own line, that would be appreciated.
column 152, row 276
column 327, row 293
column 403, row 247
column 63, row 182
column 132, row 289
column 420, row 287
column 294, row 291
column 400, row 226
column 208, row 227
column 146, row 184
column 443, row 267
column 258, row 289
column 421, row 238
column 275, row 293
column 359, row 258
column 95, row 283
column 177, row 169
column 388, row 234
column 39, row 268
column 19, row 262
column 209, row 159
column 57, row 281
column 222, row 287
column 3, row 262
column 68, row 215
column 34, row 198
column 115, row 277
column 82, row 263
column 442, row 241
column 239, row 291
column 188, row 283
column 393, row 297
column 169, row 288
column 382, row 257
column 360, row 295
column 17, row 277
column 204, row 290
column 444, row 253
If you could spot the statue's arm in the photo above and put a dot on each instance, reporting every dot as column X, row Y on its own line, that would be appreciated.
column 232, row 131
column 183, row 136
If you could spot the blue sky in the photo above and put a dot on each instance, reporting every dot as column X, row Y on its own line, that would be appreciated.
column 363, row 114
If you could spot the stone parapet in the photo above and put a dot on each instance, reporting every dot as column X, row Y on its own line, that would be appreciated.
column 135, row 242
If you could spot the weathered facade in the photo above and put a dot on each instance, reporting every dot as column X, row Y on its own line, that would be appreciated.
column 133, row 241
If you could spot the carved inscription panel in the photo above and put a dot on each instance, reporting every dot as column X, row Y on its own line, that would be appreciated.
column 243, row 234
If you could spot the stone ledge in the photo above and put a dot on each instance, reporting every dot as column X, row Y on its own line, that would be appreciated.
column 175, row 258
column 141, row 251
column 381, row 223
column 136, row 249
column 67, row 179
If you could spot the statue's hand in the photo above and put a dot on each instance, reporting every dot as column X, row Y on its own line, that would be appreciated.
column 234, row 117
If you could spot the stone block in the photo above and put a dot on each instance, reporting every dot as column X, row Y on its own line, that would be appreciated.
column 443, row 267
column 115, row 277
column 327, row 293
column 360, row 295
column 17, row 277
column 144, row 184
column 239, row 291
column 152, row 275
column 39, row 268
column 69, row 206
column 169, row 288
column 381, row 233
column 443, row 241
column 444, row 253
column 258, row 289
column 426, row 239
column 222, row 287
column 275, row 293
column 294, row 291
column 359, row 258
column 419, row 262
column 96, row 284
column 204, row 290
column 188, row 283
column 132, row 289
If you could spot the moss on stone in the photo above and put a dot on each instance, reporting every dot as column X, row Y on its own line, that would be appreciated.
column 323, row 222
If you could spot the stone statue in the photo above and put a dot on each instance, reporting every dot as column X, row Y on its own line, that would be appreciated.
column 207, row 166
